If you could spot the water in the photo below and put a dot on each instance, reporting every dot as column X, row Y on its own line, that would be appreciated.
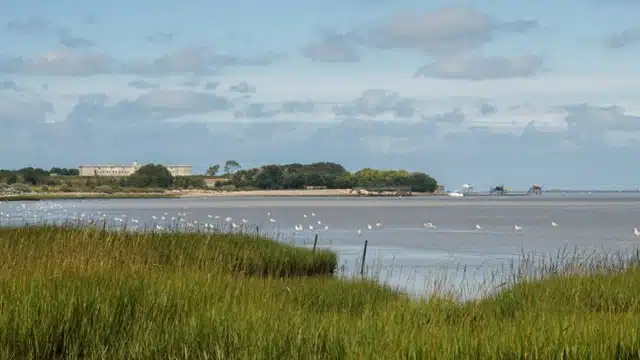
column 402, row 252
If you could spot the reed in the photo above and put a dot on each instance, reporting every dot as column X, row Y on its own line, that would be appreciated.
column 85, row 292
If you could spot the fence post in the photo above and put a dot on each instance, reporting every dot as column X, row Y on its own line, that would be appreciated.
column 364, row 257
column 315, row 243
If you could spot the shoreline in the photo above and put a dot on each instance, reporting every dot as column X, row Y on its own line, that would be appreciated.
column 286, row 193
column 83, row 195
column 190, row 194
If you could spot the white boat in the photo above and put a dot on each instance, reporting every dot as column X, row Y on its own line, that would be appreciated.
column 455, row 194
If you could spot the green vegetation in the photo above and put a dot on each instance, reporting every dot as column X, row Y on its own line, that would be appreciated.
column 150, row 178
column 322, row 175
column 69, row 292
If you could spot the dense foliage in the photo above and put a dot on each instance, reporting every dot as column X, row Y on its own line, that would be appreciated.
column 327, row 175
column 150, row 177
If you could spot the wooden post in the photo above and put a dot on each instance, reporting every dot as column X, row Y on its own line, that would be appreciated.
column 364, row 257
column 315, row 243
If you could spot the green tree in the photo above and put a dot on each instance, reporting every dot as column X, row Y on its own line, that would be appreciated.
column 151, row 175
column 213, row 170
column 422, row 182
column 231, row 166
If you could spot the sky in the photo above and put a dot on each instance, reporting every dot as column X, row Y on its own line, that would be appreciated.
column 484, row 92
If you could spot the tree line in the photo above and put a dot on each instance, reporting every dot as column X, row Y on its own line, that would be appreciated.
column 323, row 175
column 272, row 176
column 147, row 176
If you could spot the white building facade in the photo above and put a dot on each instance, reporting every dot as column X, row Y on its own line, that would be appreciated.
column 126, row 170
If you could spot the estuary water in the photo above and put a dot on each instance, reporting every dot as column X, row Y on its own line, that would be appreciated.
column 403, row 249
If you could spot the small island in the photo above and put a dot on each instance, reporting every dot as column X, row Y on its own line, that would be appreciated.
column 156, row 181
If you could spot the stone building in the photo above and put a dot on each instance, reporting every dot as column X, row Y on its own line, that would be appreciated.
column 126, row 170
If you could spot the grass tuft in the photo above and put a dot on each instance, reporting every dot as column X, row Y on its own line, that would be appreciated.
column 79, row 292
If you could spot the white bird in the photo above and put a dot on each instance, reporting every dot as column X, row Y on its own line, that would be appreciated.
column 429, row 225
column 217, row 217
column 359, row 232
column 235, row 226
column 228, row 219
column 378, row 224
column 326, row 227
column 305, row 216
column 636, row 232
column 313, row 214
column 319, row 222
column 517, row 228
column 272, row 220
column 478, row 227
column 298, row 227
column 310, row 227
column 244, row 220
column 554, row 224
column 268, row 214
column 369, row 226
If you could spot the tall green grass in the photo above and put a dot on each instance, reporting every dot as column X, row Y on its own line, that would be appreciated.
column 70, row 292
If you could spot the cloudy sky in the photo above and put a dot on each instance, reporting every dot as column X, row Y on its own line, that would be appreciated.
column 483, row 91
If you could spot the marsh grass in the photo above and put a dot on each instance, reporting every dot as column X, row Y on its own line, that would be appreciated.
column 85, row 292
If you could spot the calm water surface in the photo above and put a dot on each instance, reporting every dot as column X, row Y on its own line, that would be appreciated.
column 402, row 251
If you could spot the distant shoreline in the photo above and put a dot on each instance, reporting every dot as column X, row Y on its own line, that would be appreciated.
column 187, row 194
column 285, row 193
column 82, row 195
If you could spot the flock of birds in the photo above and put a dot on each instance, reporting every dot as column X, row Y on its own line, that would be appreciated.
column 60, row 211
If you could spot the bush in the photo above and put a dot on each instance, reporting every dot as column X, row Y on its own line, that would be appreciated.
column 20, row 188
column 65, row 188
column 106, row 189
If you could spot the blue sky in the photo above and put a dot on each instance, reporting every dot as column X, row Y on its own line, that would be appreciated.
column 480, row 92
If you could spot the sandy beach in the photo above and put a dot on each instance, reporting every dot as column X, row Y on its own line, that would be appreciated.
column 321, row 192
column 276, row 193
column 187, row 194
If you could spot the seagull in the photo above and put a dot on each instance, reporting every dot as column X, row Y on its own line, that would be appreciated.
column 636, row 232
column 378, row 224
column 326, row 227
column 369, row 226
column 554, row 224
column 319, row 222
column 298, row 227
column 359, row 232
column 313, row 214
column 478, row 227
column 305, row 216
column 310, row 227
column 244, row 220
column 272, row 220
column 228, row 219
column 517, row 228
column 429, row 225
